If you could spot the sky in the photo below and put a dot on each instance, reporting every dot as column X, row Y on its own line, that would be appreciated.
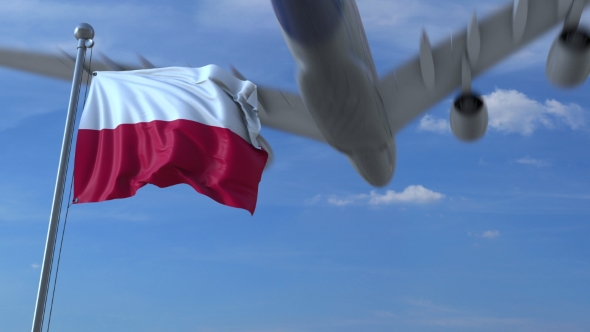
column 488, row 236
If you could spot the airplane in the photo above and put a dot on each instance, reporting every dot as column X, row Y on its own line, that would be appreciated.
column 343, row 101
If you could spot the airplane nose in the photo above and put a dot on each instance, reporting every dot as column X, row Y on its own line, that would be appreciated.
column 309, row 22
column 376, row 166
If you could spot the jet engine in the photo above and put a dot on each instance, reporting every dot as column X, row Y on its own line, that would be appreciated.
column 469, row 117
column 568, row 63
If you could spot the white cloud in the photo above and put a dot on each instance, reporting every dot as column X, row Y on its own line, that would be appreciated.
column 512, row 111
column 340, row 201
column 414, row 194
column 35, row 266
column 490, row 234
column 531, row 161
column 430, row 123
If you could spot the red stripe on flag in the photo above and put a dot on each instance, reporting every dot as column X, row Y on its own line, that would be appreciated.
column 115, row 163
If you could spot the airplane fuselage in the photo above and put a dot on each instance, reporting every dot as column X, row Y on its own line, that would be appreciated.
column 338, row 82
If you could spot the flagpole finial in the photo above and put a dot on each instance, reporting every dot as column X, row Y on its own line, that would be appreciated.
column 84, row 31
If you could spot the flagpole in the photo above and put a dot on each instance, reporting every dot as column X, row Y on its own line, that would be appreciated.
column 84, row 34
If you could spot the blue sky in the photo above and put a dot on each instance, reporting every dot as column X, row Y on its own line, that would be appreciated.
column 490, row 236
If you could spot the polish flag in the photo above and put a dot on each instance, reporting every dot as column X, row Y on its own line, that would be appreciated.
column 168, row 126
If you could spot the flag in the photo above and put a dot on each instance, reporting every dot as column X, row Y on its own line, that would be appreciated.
column 168, row 126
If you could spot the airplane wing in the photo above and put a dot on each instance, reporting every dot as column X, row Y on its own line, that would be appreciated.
column 285, row 111
column 55, row 65
column 280, row 109
column 413, row 88
column 407, row 91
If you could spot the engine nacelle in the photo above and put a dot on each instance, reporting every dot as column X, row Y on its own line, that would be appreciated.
column 568, row 63
column 469, row 117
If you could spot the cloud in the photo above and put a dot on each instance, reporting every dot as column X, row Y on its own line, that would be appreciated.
column 35, row 266
column 490, row 234
column 430, row 123
column 511, row 111
column 341, row 201
column 348, row 200
column 531, row 161
column 414, row 194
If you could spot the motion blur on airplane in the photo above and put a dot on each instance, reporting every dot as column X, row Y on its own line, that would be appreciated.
column 342, row 100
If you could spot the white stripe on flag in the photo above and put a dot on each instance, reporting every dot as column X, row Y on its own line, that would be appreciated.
column 168, row 94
